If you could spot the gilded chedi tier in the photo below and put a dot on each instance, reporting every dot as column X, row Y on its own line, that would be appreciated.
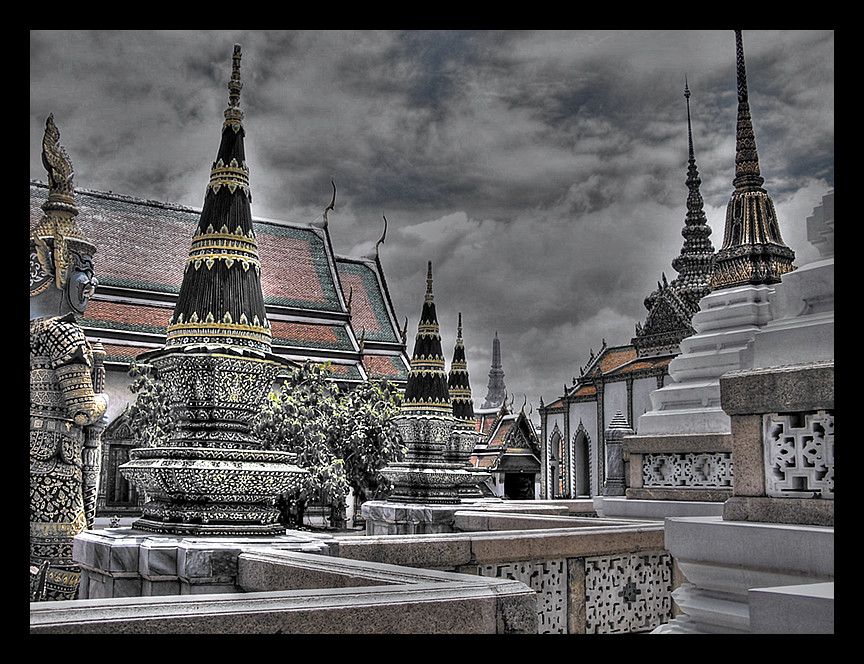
column 753, row 251
column 426, row 391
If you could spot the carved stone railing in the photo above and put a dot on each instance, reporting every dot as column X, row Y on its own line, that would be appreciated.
column 783, row 424
column 583, row 574
column 591, row 576
column 679, row 467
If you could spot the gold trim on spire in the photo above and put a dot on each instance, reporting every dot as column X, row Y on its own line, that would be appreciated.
column 753, row 252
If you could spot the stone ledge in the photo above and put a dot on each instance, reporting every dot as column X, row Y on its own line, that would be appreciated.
column 687, row 495
column 789, row 388
column 405, row 601
column 808, row 511
column 487, row 520
column 800, row 609
column 796, row 549
column 453, row 550
column 678, row 443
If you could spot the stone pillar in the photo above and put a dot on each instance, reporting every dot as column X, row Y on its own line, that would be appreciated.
column 615, row 479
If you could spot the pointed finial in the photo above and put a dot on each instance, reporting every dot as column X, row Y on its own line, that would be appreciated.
column 753, row 251
column 233, row 114
column 741, row 70
column 689, row 127
column 459, row 328
column 747, row 174
column 429, row 296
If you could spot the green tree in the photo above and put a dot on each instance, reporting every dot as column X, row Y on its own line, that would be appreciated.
column 343, row 438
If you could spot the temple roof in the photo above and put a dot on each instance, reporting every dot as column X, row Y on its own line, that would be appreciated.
column 143, row 246
column 509, row 442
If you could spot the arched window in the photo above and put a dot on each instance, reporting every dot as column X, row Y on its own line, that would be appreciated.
column 557, row 476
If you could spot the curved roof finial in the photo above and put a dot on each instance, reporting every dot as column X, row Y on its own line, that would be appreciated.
column 383, row 235
column 331, row 206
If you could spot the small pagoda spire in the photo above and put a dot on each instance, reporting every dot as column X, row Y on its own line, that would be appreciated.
column 459, row 383
column 221, row 301
column 495, row 390
column 426, row 391
column 753, row 251
column 695, row 263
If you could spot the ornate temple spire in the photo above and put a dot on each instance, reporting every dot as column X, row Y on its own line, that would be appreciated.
column 495, row 390
column 753, row 251
column 426, row 392
column 459, row 383
column 672, row 305
column 695, row 264
column 221, row 301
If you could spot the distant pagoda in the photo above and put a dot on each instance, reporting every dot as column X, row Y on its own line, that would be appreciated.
column 753, row 251
column 672, row 305
column 496, row 392
column 212, row 475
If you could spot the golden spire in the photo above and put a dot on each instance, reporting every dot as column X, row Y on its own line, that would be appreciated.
column 753, row 251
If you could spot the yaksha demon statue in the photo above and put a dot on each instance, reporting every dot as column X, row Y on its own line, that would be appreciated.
column 66, row 404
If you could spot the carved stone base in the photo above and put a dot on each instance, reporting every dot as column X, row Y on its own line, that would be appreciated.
column 214, row 491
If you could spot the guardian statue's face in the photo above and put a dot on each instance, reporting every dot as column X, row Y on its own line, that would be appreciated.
column 82, row 282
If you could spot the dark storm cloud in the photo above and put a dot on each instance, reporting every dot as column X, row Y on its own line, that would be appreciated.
column 543, row 172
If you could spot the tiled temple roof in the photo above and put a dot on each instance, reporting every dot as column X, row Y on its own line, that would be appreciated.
column 142, row 246
column 510, row 435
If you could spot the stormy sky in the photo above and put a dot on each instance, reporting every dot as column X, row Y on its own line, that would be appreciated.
column 542, row 172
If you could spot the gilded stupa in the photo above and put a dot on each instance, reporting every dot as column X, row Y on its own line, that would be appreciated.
column 753, row 251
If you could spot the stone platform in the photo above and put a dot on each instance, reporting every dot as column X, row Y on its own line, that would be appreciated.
column 384, row 517
column 124, row 562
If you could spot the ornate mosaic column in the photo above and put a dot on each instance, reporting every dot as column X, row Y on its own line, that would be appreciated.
column 430, row 473
column 212, row 476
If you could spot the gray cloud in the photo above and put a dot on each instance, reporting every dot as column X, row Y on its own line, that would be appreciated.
column 541, row 171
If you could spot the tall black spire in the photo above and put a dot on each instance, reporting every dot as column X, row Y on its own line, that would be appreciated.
column 696, row 261
column 753, row 251
column 221, row 301
column 672, row 305
column 459, row 383
column 426, row 391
